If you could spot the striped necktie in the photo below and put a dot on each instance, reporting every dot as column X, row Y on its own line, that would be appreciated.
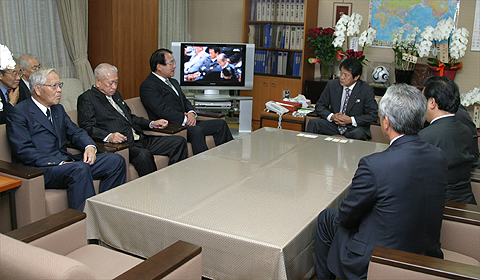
column 342, row 129
column 49, row 116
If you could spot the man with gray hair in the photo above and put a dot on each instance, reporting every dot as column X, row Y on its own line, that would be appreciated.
column 105, row 116
column 28, row 64
column 396, row 198
column 37, row 130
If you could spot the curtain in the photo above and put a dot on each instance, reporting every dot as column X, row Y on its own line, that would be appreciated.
column 74, row 21
column 36, row 30
column 172, row 22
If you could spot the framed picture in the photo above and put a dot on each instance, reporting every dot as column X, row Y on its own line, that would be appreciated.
column 340, row 9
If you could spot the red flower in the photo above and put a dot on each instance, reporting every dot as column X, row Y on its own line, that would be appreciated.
column 314, row 36
column 339, row 55
column 358, row 54
column 315, row 60
column 330, row 31
column 317, row 30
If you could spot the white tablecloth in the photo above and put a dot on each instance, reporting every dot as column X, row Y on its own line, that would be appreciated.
column 251, row 204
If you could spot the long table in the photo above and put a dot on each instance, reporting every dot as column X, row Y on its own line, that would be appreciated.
column 251, row 203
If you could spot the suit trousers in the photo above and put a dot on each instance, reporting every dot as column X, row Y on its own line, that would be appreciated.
column 327, row 226
column 323, row 126
column 141, row 152
column 217, row 128
column 77, row 177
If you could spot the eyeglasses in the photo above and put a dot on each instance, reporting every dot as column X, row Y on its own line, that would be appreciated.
column 171, row 63
column 111, row 83
column 36, row 67
column 13, row 73
column 55, row 85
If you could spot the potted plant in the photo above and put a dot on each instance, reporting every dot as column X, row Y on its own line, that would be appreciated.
column 405, row 55
column 452, row 43
column 321, row 40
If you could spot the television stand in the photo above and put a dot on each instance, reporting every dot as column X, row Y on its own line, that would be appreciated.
column 245, row 109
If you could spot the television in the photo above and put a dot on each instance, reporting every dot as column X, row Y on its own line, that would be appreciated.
column 214, row 66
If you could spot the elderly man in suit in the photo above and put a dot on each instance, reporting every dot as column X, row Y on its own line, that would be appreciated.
column 105, row 116
column 450, row 135
column 346, row 106
column 9, row 90
column 396, row 198
column 162, row 97
column 37, row 130
column 28, row 64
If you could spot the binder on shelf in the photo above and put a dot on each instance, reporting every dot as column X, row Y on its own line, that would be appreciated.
column 253, row 10
column 287, row 11
column 287, row 37
column 278, row 10
column 289, row 65
column 278, row 37
column 282, row 43
column 298, row 38
column 251, row 34
column 296, row 10
column 259, row 10
column 282, row 10
column 268, row 35
column 268, row 11
column 301, row 14
column 264, row 10
column 293, row 37
column 284, row 63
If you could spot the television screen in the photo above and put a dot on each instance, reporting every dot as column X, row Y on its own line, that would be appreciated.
column 214, row 65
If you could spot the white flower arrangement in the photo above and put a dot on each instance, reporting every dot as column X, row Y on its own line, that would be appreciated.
column 405, row 48
column 445, row 30
column 6, row 58
column 470, row 98
column 367, row 37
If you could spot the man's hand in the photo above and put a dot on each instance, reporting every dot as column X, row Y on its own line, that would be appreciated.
column 160, row 124
column 116, row 138
column 89, row 155
column 13, row 95
column 341, row 119
column 191, row 120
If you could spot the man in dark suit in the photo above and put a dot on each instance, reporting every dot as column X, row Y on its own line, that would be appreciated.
column 450, row 135
column 346, row 106
column 37, row 131
column 163, row 98
column 464, row 117
column 28, row 64
column 396, row 198
column 106, row 118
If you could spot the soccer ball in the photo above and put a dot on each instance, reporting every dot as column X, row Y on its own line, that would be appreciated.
column 380, row 74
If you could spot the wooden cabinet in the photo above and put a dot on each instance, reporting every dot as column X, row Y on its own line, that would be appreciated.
column 124, row 34
column 270, row 86
column 267, row 88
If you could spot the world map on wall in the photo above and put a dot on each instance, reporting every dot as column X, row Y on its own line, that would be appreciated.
column 387, row 16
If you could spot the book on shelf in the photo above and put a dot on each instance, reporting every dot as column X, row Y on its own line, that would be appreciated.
column 287, row 37
column 293, row 37
column 278, row 10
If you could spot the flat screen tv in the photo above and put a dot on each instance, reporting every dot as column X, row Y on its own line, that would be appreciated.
column 214, row 66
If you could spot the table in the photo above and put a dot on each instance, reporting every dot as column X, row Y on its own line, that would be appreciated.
column 288, row 121
column 8, row 186
column 251, row 203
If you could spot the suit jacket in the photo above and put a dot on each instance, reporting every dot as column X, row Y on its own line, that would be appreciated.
column 35, row 142
column 161, row 101
column 3, row 109
column 361, row 104
column 396, row 200
column 98, row 117
column 455, row 139
column 463, row 116
column 24, row 91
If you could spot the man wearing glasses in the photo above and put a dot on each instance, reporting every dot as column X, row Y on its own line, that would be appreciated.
column 28, row 64
column 163, row 98
column 37, row 131
column 9, row 79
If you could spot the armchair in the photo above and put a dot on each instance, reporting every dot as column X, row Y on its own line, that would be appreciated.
column 459, row 239
column 56, row 248
column 137, row 108
column 122, row 149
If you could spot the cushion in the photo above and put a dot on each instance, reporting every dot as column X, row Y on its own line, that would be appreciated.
column 103, row 262
column 23, row 261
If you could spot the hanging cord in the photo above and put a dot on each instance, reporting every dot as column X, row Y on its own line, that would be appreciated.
column 279, row 121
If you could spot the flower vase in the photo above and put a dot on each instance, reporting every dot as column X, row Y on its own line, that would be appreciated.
column 403, row 76
column 325, row 70
column 451, row 73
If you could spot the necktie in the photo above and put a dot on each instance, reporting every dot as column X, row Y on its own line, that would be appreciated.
column 167, row 81
column 342, row 129
column 115, row 105
column 49, row 116
column 6, row 95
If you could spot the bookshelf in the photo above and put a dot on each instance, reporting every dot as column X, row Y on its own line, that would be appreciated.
column 291, row 70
